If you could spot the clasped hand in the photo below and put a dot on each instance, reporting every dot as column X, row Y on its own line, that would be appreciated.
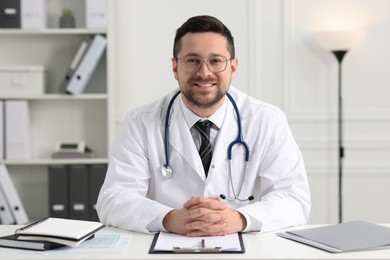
column 203, row 216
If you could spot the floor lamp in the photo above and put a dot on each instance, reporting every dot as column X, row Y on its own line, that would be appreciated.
column 339, row 43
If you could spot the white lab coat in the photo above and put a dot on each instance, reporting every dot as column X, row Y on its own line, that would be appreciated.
column 136, row 194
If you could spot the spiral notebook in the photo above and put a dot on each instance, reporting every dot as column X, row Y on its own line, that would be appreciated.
column 68, row 232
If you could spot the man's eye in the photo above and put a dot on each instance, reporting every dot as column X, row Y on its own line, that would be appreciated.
column 192, row 61
column 215, row 61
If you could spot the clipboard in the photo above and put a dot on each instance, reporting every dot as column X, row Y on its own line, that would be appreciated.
column 204, row 245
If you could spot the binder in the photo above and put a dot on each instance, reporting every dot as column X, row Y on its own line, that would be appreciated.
column 2, row 130
column 58, row 191
column 10, row 13
column 33, row 14
column 88, row 64
column 96, row 178
column 17, row 129
column 74, row 64
column 96, row 13
column 78, row 192
column 12, row 196
column 6, row 217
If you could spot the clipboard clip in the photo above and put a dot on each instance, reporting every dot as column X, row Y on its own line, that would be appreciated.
column 197, row 249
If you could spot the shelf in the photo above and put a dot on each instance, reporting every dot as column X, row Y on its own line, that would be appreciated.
column 51, row 161
column 53, row 31
column 102, row 96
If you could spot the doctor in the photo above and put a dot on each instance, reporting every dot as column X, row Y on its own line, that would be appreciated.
column 252, row 179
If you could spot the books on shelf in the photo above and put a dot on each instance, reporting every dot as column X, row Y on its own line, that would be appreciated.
column 68, row 232
column 11, row 241
column 83, row 65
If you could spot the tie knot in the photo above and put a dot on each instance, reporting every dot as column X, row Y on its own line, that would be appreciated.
column 204, row 124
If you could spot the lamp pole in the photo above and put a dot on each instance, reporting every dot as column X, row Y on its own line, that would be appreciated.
column 339, row 54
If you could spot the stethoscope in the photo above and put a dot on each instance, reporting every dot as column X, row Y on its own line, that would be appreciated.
column 166, row 169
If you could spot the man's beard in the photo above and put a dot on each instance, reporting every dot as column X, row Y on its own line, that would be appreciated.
column 192, row 97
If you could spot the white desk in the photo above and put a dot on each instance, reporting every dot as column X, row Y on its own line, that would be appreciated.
column 258, row 246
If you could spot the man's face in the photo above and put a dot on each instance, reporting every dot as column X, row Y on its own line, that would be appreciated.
column 204, row 90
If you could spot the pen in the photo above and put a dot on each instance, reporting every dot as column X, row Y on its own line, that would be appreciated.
column 203, row 243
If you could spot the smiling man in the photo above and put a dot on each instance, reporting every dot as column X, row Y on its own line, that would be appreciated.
column 206, row 159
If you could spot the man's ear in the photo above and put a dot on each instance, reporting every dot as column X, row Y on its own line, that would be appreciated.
column 174, row 67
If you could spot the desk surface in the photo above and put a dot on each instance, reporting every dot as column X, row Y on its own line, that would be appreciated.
column 258, row 246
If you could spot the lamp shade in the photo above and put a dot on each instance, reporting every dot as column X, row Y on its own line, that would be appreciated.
column 339, row 40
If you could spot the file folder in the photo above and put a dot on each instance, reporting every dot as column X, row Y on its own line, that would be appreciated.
column 96, row 13
column 10, row 13
column 12, row 196
column 349, row 236
column 88, row 64
column 58, row 191
column 6, row 217
column 17, row 130
column 2, row 125
column 78, row 189
column 96, row 178
column 74, row 65
column 33, row 14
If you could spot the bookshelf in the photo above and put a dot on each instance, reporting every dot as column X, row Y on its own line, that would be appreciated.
column 56, row 117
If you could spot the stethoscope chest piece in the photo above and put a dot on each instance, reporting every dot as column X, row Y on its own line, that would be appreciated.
column 167, row 171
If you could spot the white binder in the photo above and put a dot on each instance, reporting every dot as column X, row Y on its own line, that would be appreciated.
column 96, row 13
column 12, row 196
column 17, row 130
column 33, row 14
column 2, row 129
column 6, row 217
column 87, row 66
column 74, row 64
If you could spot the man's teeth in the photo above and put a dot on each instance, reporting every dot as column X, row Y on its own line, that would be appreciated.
column 204, row 84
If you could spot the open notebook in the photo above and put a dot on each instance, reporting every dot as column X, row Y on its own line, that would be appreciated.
column 69, row 232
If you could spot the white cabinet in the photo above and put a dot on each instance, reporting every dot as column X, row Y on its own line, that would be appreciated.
column 54, row 116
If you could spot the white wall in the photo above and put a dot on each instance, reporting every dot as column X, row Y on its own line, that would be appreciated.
column 280, row 63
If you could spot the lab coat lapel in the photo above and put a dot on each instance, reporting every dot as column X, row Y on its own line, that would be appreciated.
column 180, row 139
column 226, row 135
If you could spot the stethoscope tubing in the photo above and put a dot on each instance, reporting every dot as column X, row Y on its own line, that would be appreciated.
column 240, row 138
column 166, row 134
column 167, row 170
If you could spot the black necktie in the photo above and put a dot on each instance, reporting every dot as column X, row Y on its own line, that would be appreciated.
column 205, row 147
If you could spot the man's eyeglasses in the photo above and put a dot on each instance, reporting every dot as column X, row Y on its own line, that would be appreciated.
column 216, row 63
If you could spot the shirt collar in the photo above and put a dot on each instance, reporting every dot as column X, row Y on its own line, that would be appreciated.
column 191, row 118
